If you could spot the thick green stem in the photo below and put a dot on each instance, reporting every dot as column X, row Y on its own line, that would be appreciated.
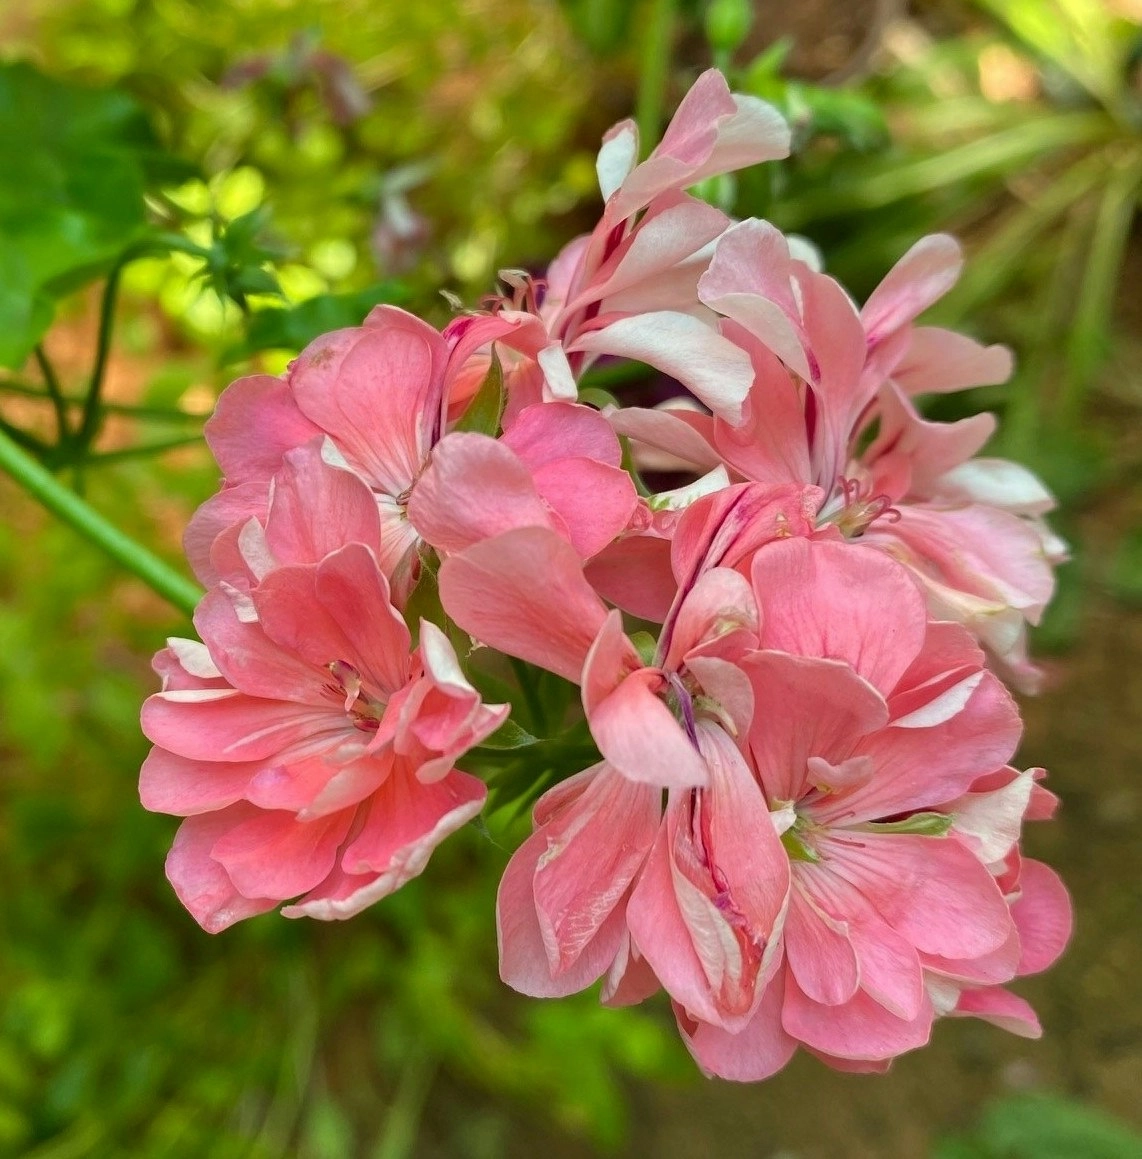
column 183, row 593
column 657, row 43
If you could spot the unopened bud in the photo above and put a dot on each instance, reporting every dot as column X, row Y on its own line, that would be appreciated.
column 727, row 24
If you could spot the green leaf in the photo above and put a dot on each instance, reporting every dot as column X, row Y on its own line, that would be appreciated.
column 1038, row 1127
column 483, row 414
column 76, row 164
column 294, row 327
column 1125, row 575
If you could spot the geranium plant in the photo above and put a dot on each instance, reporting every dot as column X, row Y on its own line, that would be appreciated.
column 757, row 702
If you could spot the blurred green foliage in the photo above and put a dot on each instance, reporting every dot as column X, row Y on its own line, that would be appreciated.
column 252, row 174
column 1040, row 1127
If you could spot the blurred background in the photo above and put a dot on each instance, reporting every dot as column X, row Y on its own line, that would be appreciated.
column 193, row 188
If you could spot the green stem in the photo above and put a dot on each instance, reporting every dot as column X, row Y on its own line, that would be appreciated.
column 55, row 393
column 402, row 1124
column 184, row 594
column 92, row 412
column 656, row 47
column 22, row 438
column 142, row 450
column 148, row 413
column 525, row 679
column 151, row 413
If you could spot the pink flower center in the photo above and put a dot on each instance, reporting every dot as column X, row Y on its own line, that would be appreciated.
column 363, row 710
column 858, row 508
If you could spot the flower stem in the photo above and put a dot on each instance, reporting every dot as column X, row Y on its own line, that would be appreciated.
column 62, row 502
column 657, row 43
column 55, row 393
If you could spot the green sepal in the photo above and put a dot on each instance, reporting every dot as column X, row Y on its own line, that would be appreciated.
column 483, row 414
column 796, row 848
column 508, row 736
column 646, row 646
column 922, row 824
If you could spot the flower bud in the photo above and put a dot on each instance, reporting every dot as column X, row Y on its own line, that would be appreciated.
column 727, row 24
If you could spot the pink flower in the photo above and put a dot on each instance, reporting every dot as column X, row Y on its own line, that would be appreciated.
column 379, row 393
column 824, row 375
column 846, row 870
column 629, row 288
column 876, row 740
column 557, row 465
column 524, row 592
column 659, row 721
column 310, row 748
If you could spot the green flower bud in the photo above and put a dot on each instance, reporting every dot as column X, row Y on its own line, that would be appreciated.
column 727, row 23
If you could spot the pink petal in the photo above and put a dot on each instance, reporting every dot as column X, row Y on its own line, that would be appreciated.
column 292, row 616
column 639, row 736
column 558, row 430
column 922, row 276
column 715, row 370
column 173, row 784
column 838, row 352
column 939, row 361
column 272, row 854
column 634, row 573
column 771, row 443
column 592, row 852
column 707, row 911
column 760, row 1049
column 890, row 967
column 559, row 909
column 594, row 501
column 804, row 708
column 671, row 431
column 929, row 889
column 232, row 506
column 750, row 280
column 818, row 952
column 352, row 590
column 630, row 979
column 474, row 488
column 201, row 883
column 524, row 593
column 611, row 659
column 252, row 661
column 673, row 230
column 254, row 423
column 840, row 602
column 662, row 934
column 224, row 725
column 980, row 738
column 1001, row 1008
column 860, row 1029
column 713, row 131
column 1042, row 914
column 718, row 615
column 377, row 390
column 316, row 508
column 928, row 449
column 726, row 528
column 405, row 822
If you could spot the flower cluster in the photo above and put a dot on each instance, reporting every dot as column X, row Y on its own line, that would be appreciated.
column 801, row 822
